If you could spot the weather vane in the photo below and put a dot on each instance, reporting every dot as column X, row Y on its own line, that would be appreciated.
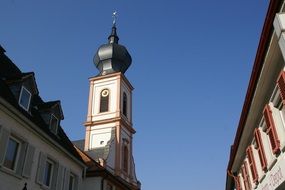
column 114, row 18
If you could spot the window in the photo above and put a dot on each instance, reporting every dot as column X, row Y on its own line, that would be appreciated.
column 271, row 130
column 11, row 155
column 125, row 104
column 47, row 169
column 48, row 173
column 104, row 101
column 53, row 124
column 126, row 159
column 16, row 155
column 71, row 182
column 25, row 98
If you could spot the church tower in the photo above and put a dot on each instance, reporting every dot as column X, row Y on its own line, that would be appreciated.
column 109, row 128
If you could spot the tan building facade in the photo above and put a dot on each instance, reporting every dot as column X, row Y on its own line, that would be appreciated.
column 257, row 159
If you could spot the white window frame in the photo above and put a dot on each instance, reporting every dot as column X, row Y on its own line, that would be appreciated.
column 52, row 116
column 17, row 154
column 20, row 97
column 51, row 173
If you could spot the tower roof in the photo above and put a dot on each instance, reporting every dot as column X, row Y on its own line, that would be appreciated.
column 112, row 57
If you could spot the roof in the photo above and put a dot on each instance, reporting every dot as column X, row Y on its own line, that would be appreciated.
column 112, row 57
column 9, row 73
column 267, row 31
column 95, row 169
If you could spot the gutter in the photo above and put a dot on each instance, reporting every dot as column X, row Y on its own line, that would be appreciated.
column 102, row 182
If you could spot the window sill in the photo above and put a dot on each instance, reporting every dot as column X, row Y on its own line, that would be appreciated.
column 10, row 172
column 45, row 187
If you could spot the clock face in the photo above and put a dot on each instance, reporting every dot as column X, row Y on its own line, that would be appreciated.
column 105, row 92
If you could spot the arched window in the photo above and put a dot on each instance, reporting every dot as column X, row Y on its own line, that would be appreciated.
column 125, row 104
column 126, row 159
column 104, row 101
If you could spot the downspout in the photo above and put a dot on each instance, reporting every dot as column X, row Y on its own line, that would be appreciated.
column 232, row 175
column 102, row 182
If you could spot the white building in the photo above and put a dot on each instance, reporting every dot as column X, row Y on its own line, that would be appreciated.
column 33, row 147
column 257, row 158
column 36, row 154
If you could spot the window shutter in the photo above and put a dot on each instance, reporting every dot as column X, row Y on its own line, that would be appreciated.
column 21, row 158
column 260, row 149
column 60, row 177
column 76, row 183
column 41, row 168
column 29, row 161
column 281, row 85
column 246, row 176
column 54, row 176
column 252, row 164
column 66, row 179
column 237, row 182
column 271, row 130
column 4, row 137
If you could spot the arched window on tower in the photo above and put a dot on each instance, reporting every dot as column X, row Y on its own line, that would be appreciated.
column 104, row 101
column 125, row 101
column 126, row 159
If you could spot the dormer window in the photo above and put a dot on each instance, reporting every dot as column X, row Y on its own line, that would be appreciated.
column 53, row 124
column 25, row 98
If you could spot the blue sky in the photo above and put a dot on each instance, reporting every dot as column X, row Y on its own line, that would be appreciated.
column 191, row 66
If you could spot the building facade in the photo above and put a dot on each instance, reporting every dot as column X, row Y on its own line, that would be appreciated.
column 257, row 158
column 35, row 153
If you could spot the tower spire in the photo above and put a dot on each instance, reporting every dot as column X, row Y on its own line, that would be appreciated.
column 112, row 57
column 113, row 38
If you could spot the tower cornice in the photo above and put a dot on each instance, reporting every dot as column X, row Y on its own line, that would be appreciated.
column 119, row 74
column 127, row 124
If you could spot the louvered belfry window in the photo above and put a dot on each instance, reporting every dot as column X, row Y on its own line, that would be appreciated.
column 260, row 149
column 252, row 164
column 104, row 101
column 281, row 85
column 125, row 104
column 271, row 130
column 126, row 159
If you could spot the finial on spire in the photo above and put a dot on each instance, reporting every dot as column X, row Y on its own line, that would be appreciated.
column 114, row 18
column 113, row 38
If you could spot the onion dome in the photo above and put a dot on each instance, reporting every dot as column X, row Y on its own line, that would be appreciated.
column 112, row 57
